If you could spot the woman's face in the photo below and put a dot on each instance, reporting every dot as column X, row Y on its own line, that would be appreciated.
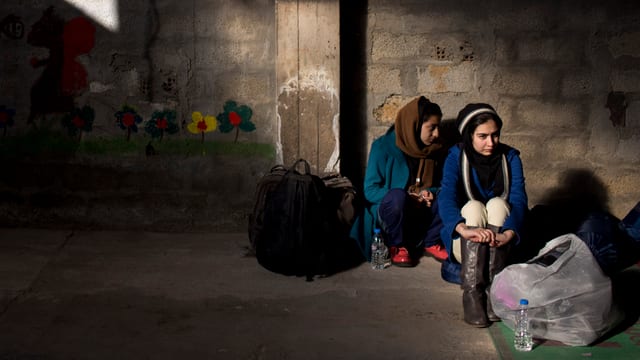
column 429, row 131
column 485, row 138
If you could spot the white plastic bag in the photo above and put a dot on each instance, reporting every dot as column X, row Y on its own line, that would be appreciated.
column 570, row 298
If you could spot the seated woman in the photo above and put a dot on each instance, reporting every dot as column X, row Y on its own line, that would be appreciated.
column 482, row 204
column 400, row 184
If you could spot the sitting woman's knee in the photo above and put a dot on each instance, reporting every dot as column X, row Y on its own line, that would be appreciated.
column 394, row 200
column 498, row 211
column 474, row 213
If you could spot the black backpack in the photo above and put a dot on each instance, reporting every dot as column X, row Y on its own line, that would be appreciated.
column 266, row 186
column 293, row 238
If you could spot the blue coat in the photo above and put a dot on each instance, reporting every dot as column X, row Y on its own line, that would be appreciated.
column 452, row 196
column 387, row 169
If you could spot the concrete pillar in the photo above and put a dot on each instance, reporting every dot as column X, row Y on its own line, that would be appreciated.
column 308, row 76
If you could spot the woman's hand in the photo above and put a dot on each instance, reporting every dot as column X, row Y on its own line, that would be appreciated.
column 428, row 197
column 503, row 238
column 424, row 197
column 477, row 235
column 480, row 235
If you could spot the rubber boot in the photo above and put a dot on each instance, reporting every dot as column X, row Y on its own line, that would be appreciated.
column 474, row 282
column 497, row 261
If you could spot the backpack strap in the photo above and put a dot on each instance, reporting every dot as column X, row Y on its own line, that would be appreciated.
column 307, row 168
column 277, row 168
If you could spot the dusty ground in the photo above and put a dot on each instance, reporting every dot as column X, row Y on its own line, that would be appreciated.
column 140, row 295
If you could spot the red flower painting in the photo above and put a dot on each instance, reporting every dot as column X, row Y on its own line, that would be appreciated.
column 128, row 119
column 236, row 117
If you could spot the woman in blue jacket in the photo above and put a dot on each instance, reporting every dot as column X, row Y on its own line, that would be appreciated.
column 400, row 184
column 482, row 204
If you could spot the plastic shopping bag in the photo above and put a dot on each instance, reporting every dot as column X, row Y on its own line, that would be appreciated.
column 570, row 298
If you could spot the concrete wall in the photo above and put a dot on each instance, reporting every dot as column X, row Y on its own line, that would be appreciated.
column 548, row 67
column 308, row 75
column 154, row 56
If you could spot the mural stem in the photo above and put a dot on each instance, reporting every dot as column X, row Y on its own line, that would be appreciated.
column 128, row 133
column 237, row 133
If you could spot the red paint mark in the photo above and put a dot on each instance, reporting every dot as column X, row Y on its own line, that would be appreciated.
column 634, row 334
column 604, row 344
column 162, row 123
column 234, row 118
column 78, row 38
column 128, row 119
column 4, row 117
column 78, row 121
column 202, row 126
column 609, row 345
column 553, row 343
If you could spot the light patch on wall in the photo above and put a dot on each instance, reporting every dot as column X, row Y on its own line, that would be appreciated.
column 98, row 87
column 279, row 156
column 334, row 161
column 316, row 80
column 438, row 73
column 104, row 12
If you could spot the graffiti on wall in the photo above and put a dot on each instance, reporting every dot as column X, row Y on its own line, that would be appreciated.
column 78, row 121
column 12, row 27
column 236, row 117
column 128, row 119
column 233, row 117
column 201, row 124
column 155, row 128
column 63, row 77
column 162, row 122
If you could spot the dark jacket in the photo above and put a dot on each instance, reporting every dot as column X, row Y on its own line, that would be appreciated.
column 387, row 169
column 452, row 196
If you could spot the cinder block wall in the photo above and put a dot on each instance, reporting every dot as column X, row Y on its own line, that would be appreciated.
column 548, row 67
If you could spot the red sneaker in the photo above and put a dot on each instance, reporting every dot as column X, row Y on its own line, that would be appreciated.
column 400, row 257
column 437, row 251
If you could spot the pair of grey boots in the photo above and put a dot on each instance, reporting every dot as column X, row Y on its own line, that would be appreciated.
column 480, row 263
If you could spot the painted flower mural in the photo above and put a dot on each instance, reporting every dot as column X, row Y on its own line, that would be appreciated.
column 202, row 124
column 236, row 117
column 79, row 120
column 127, row 119
column 6, row 118
column 161, row 122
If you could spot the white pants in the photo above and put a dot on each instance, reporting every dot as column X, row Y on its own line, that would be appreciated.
column 479, row 215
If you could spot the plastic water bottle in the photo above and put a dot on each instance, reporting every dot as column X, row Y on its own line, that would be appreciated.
column 379, row 251
column 523, row 340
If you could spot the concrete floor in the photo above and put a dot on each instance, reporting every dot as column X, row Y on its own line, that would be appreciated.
column 141, row 295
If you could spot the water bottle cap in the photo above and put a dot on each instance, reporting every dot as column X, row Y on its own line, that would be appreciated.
column 376, row 231
column 524, row 302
